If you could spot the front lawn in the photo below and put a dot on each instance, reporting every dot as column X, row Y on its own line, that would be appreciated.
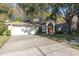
column 62, row 37
column 65, row 37
column 3, row 39
column 75, row 46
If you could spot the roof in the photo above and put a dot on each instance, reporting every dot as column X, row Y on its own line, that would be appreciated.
column 29, row 23
column 52, row 21
column 19, row 23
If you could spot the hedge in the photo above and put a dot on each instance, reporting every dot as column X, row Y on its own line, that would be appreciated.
column 3, row 28
column 8, row 32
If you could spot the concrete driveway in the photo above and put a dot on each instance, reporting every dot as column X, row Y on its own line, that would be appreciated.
column 33, row 45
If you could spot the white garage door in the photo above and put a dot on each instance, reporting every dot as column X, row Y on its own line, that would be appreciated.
column 16, row 30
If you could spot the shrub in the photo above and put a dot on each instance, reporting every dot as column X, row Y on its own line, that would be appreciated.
column 8, row 32
column 3, row 27
column 59, row 32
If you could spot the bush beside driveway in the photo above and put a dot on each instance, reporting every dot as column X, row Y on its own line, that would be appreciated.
column 4, row 33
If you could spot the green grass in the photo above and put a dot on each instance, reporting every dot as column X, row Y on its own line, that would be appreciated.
column 75, row 46
column 62, row 37
column 3, row 39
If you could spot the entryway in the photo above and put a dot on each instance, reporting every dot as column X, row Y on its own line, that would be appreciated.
column 50, row 28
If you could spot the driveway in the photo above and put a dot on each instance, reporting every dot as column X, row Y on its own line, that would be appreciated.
column 33, row 45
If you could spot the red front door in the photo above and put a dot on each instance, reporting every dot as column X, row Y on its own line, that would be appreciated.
column 50, row 29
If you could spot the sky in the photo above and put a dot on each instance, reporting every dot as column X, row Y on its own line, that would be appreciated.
column 64, row 9
column 14, row 5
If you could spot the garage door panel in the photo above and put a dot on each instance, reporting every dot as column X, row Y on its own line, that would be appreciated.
column 19, row 31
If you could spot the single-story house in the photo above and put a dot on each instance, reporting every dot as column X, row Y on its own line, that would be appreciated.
column 26, row 28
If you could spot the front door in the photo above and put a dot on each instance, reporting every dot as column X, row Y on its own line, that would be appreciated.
column 50, row 28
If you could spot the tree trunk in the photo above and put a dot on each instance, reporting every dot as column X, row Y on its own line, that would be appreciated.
column 78, row 26
column 69, row 23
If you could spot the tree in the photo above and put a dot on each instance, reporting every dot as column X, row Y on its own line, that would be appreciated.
column 43, row 11
column 35, row 10
column 72, row 9
column 6, row 12
column 67, row 10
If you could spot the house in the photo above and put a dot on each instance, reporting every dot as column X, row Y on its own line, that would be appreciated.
column 28, row 28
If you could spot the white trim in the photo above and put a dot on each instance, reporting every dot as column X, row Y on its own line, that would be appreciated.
column 53, row 23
